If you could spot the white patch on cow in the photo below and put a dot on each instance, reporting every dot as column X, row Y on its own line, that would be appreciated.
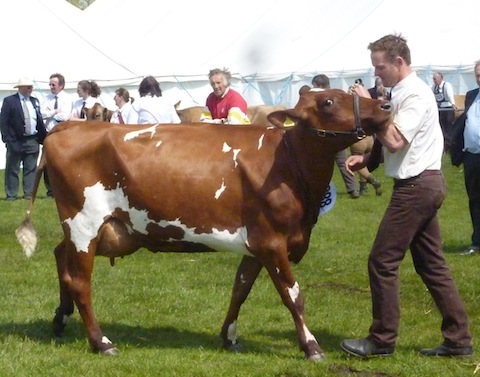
column 100, row 203
column 221, row 189
column 65, row 319
column 232, row 332
column 227, row 148
column 308, row 335
column 278, row 270
column 158, row 144
column 105, row 340
column 134, row 134
column 294, row 292
column 260, row 141
column 235, row 154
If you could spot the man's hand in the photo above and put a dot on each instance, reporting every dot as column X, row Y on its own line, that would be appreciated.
column 355, row 162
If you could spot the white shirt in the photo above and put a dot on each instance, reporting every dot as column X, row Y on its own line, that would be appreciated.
column 471, row 134
column 78, row 104
column 415, row 114
column 446, row 90
column 124, row 110
column 64, row 106
column 152, row 110
column 32, row 114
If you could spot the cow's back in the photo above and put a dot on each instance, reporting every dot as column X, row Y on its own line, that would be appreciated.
column 186, row 172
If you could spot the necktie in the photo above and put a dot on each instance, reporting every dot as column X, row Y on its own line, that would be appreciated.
column 26, row 114
column 82, row 113
column 120, row 118
column 55, row 106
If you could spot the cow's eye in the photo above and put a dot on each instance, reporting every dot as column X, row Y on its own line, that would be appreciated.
column 328, row 102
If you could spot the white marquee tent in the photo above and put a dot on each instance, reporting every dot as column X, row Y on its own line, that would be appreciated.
column 272, row 47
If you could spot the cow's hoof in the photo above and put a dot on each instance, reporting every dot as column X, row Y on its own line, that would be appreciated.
column 237, row 347
column 317, row 357
column 111, row 352
column 58, row 326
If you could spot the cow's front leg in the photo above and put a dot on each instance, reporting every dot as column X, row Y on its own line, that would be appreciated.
column 247, row 273
column 65, row 309
column 280, row 270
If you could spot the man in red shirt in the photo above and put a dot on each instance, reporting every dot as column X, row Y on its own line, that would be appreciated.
column 224, row 105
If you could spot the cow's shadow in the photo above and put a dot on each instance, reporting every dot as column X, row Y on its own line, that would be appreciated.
column 129, row 336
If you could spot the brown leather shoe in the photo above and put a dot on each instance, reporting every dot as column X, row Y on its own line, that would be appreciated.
column 443, row 350
column 365, row 347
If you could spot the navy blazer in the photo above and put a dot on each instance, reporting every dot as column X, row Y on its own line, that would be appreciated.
column 12, row 120
column 458, row 143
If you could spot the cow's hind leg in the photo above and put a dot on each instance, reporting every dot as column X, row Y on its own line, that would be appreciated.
column 247, row 273
column 75, row 272
column 66, row 307
column 280, row 271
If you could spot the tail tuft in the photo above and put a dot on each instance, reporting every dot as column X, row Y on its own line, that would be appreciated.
column 27, row 236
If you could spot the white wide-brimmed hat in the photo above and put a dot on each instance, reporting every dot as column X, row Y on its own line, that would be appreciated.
column 24, row 81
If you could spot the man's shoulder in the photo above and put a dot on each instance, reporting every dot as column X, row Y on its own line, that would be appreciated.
column 472, row 92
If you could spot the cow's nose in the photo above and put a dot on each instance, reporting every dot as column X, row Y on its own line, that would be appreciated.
column 386, row 106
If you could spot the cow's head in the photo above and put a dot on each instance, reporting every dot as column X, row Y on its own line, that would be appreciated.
column 98, row 112
column 333, row 112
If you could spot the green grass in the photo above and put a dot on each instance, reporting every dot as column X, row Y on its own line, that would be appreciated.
column 164, row 311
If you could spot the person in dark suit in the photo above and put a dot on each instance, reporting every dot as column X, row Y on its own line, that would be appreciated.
column 23, row 130
column 465, row 148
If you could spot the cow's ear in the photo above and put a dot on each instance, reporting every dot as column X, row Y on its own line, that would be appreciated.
column 282, row 118
column 105, row 114
column 304, row 89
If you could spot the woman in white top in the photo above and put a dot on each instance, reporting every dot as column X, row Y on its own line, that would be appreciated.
column 151, row 107
column 124, row 103
column 88, row 91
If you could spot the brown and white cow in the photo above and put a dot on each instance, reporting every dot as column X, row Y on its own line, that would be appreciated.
column 253, row 190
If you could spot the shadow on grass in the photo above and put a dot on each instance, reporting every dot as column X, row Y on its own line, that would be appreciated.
column 127, row 336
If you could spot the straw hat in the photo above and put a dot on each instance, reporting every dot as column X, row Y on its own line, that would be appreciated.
column 24, row 81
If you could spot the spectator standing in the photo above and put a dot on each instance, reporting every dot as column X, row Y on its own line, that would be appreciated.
column 413, row 148
column 224, row 105
column 151, row 107
column 124, row 103
column 88, row 91
column 466, row 143
column 57, row 106
column 23, row 130
column 446, row 106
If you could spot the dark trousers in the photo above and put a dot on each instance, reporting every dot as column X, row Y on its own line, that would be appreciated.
column 410, row 221
column 23, row 155
column 471, row 169
column 446, row 117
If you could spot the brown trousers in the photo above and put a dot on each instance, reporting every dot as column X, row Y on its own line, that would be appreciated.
column 411, row 221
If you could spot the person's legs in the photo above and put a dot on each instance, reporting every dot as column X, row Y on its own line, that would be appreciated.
column 395, row 232
column 12, row 169
column 471, row 167
column 349, row 180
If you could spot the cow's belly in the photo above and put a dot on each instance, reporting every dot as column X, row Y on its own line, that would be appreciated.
column 141, row 230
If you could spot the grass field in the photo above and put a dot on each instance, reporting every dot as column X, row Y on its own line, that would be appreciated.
column 164, row 311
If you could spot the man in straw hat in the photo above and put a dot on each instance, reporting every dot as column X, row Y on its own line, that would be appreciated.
column 22, row 131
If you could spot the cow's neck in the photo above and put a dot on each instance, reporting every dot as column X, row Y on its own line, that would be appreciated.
column 313, row 159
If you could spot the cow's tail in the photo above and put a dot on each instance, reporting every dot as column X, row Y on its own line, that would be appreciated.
column 26, row 233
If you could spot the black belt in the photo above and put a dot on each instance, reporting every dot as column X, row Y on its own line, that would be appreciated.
column 425, row 173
